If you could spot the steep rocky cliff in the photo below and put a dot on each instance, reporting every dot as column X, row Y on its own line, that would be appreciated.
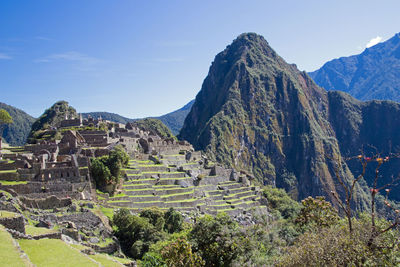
column 258, row 113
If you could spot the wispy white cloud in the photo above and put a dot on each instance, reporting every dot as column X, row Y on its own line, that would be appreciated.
column 83, row 62
column 5, row 56
column 374, row 41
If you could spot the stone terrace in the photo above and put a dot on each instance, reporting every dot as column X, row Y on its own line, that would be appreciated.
column 184, row 182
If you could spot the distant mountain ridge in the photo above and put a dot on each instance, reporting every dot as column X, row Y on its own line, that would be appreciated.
column 173, row 120
column 373, row 74
column 16, row 133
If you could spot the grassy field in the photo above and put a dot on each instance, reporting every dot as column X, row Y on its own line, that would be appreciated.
column 32, row 230
column 13, row 182
column 7, row 214
column 9, row 254
column 105, row 260
column 53, row 252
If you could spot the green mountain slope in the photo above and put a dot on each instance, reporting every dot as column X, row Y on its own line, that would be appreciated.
column 258, row 113
column 154, row 126
column 373, row 74
column 16, row 133
column 50, row 118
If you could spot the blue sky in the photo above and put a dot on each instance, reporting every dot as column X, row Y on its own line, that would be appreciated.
column 147, row 58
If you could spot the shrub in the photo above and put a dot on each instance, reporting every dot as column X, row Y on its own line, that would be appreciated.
column 173, row 221
column 180, row 254
column 135, row 234
column 280, row 201
column 333, row 246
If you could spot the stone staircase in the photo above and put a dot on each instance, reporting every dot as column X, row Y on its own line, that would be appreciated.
column 170, row 182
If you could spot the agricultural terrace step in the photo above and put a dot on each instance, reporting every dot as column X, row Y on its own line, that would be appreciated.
column 136, row 198
column 239, row 190
column 131, row 171
column 137, row 205
column 246, row 205
column 239, row 195
column 171, row 181
column 129, row 186
column 220, row 207
column 142, row 181
column 181, row 209
column 229, row 211
column 169, row 156
column 243, row 199
column 215, row 192
column 164, row 174
column 173, row 190
column 178, row 196
column 152, row 168
column 213, row 180
column 183, row 203
column 228, row 186
column 216, row 197
column 136, row 192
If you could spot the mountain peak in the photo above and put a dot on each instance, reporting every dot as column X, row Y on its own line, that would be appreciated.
column 373, row 74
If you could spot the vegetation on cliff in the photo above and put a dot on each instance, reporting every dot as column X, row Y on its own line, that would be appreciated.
column 50, row 118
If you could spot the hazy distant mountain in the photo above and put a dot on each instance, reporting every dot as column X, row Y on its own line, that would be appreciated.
column 173, row 120
column 373, row 74
column 257, row 113
column 107, row 116
column 16, row 133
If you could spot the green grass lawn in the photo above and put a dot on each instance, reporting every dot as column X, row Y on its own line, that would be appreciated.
column 12, row 182
column 32, row 230
column 105, row 260
column 53, row 252
column 7, row 214
column 9, row 254
column 109, row 212
column 8, row 171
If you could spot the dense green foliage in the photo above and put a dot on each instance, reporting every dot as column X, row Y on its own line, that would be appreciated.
column 16, row 133
column 279, row 201
column 107, row 170
column 373, row 74
column 154, row 126
column 138, row 233
column 5, row 118
column 333, row 246
column 50, row 118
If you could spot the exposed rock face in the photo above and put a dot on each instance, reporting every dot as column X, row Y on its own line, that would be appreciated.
column 373, row 74
column 257, row 112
